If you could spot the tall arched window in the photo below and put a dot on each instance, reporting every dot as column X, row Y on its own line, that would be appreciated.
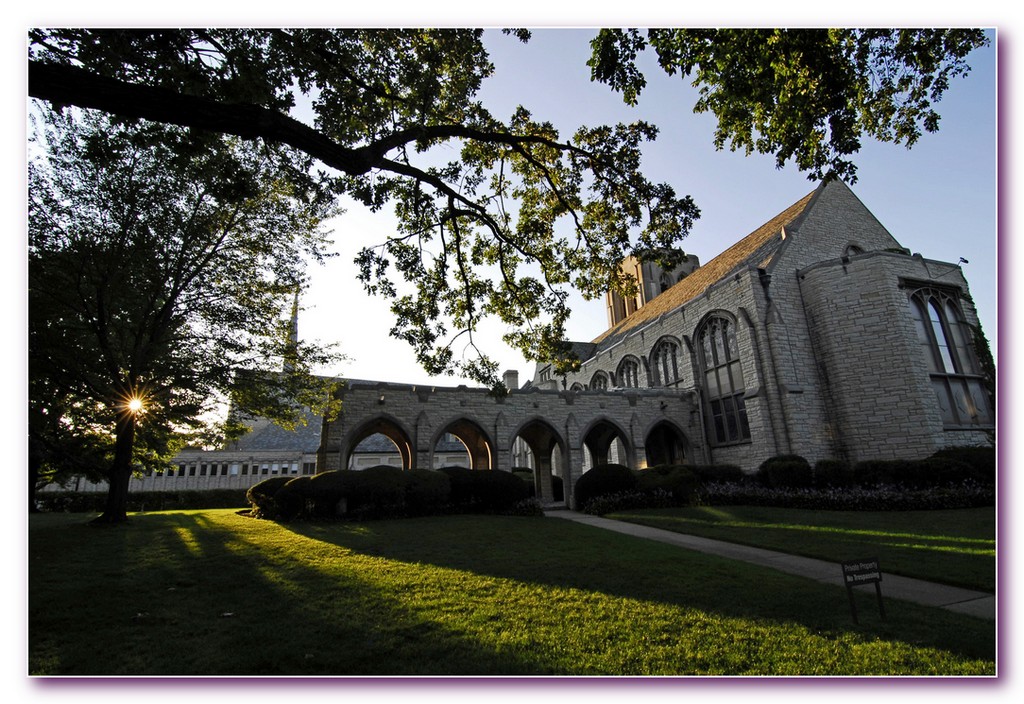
column 956, row 378
column 723, row 381
column 599, row 382
column 628, row 373
column 665, row 362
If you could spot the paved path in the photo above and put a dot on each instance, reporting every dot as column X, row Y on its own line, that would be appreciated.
column 965, row 601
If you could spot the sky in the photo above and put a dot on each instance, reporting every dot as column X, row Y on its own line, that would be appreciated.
column 938, row 198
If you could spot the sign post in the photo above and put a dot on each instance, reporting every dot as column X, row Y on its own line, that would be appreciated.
column 863, row 571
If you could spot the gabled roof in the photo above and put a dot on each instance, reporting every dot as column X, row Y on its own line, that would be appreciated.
column 755, row 249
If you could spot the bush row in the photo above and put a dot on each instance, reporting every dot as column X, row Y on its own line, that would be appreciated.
column 955, row 477
column 389, row 492
column 76, row 502
column 613, row 487
column 884, row 497
column 949, row 467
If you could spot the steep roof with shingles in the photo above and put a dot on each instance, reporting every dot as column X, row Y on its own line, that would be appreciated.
column 757, row 249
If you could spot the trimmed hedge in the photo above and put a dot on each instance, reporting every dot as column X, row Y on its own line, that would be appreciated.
column 718, row 472
column 263, row 497
column 601, row 480
column 785, row 471
column 385, row 491
column 833, row 473
column 677, row 481
column 484, row 490
column 934, row 471
column 981, row 460
column 426, row 492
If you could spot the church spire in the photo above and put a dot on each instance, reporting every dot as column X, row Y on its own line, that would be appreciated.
column 293, row 335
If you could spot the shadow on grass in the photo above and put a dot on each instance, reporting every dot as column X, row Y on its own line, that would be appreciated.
column 560, row 554
column 199, row 593
column 177, row 594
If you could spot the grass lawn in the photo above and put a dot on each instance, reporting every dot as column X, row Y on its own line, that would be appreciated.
column 956, row 547
column 212, row 592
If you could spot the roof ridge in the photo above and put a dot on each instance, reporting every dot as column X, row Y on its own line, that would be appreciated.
column 718, row 268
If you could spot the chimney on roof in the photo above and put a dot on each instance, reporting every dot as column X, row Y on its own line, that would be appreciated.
column 511, row 379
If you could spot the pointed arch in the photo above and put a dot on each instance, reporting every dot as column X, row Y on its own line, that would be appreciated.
column 599, row 382
column 665, row 361
column 547, row 453
column 599, row 438
column 956, row 377
column 477, row 442
column 721, row 378
column 627, row 374
column 666, row 443
column 388, row 426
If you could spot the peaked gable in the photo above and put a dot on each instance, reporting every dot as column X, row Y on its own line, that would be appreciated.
column 834, row 219
column 756, row 248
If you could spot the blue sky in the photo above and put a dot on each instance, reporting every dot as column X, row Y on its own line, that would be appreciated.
column 938, row 198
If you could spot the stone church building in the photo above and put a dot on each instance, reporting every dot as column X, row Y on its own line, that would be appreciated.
column 817, row 334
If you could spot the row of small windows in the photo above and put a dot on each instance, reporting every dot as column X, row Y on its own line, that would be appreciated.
column 664, row 370
column 721, row 370
column 234, row 469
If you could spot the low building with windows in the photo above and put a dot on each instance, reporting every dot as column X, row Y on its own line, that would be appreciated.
column 817, row 334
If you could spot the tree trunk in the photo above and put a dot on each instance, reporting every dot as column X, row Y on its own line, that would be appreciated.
column 35, row 461
column 116, row 510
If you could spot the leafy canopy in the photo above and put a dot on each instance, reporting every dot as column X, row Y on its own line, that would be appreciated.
column 807, row 95
column 162, row 267
column 501, row 230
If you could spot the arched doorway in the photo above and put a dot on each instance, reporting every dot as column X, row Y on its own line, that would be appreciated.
column 666, row 444
column 386, row 428
column 606, row 443
column 538, row 445
column 473, row 438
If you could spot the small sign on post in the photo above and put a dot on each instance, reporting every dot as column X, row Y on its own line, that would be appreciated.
column 863, row 571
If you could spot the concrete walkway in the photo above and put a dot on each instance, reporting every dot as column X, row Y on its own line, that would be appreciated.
column 965, row 601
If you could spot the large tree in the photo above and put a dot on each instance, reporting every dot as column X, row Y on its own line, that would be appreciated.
column 518, row 212
column 806, row 95
column 163, row 267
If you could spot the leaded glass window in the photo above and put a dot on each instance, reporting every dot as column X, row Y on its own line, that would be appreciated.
column 628, row 374
column 956, row 378
column 665, row 362
column 723, row 381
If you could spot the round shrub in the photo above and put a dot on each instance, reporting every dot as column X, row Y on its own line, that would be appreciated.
column 830, row 472
column 291, row 498
column 261, row 496
column 785, row 471
column 677, row 481
column 326, row 490
column 603, row 479
column 461, row 485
